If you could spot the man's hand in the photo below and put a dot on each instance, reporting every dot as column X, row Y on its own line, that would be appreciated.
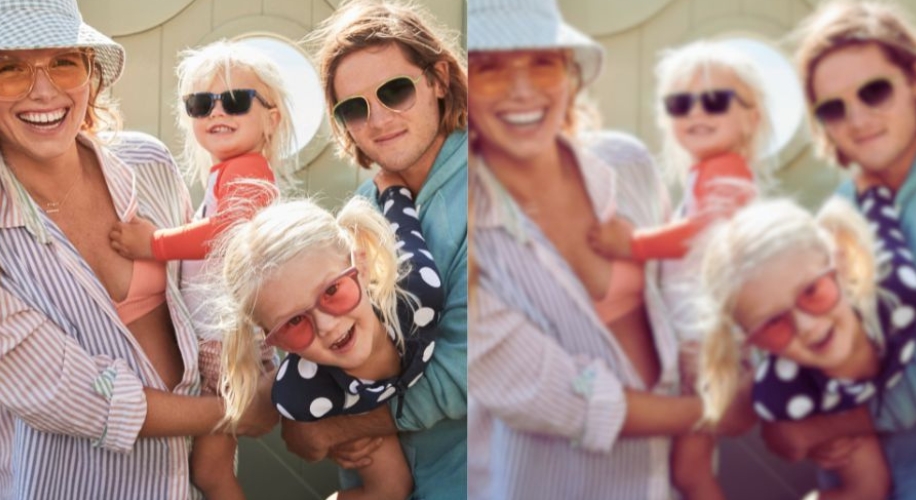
column 134, row 239
column 309, row 440
column 355, row 454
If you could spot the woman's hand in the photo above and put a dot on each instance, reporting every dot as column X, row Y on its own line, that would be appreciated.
column 261, row 416
column 612, row 239
column 134, row 239
column 688, row 358
column 739, row 417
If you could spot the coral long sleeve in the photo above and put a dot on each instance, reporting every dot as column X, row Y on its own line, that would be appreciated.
column 726, row 181
column 243, row 185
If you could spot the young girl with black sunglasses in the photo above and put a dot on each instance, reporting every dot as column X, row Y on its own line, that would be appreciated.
column 233, row 109
column 715, row 127
column 835, row 320
column 328, row 290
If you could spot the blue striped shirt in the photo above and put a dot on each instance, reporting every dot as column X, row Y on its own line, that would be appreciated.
column 71, row 374
column 545, row 375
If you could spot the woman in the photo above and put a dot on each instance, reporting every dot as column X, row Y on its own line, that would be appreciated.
column 569, row 352
column 99, row 386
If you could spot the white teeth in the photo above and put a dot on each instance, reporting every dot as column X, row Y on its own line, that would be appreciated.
column 220, row 129
column 45, row 118
column 525, row 118
column 343, row 340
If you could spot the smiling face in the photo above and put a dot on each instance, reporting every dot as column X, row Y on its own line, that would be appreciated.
column 403, row 142
column 825, row 341
column 42, row 126
column 518, row 100
column 347, row 341
column 880, row 139
column 227, row 136
column 704, row 135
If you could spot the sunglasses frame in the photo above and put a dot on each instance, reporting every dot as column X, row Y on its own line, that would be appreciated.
column 694, row 97
column 222, row 96
column 858, row 93
column 375, row 93
column 351, row 272
column 89, row 54
column 759, row 329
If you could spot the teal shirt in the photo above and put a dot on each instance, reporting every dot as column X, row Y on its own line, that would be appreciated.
column 896, row 416
column 434, row 418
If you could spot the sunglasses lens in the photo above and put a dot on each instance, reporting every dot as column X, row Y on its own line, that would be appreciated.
column 876, row 93
column 775, row 334
column 678, row 104
column 198, row 105
column 820, row 296
column 352, row 111
column 398, row 94
column 830, row 111
column 67, row 71
column 341, row 296
column 236, row 102
column 716, row 102
column 295, row 335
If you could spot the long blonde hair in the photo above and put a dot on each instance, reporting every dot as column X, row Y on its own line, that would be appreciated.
column 676, row 67
column 733, row 252
column 199, row 67
column 254, row 250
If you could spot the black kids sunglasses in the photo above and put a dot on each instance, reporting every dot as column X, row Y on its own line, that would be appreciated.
column 873, row 93
column 714, row 102
column 397, row 94
column 235, row 102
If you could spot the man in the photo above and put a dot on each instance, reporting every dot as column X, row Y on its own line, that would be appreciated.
column 865, row 117
column 398, row 98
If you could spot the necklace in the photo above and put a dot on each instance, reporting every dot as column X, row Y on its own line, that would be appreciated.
column 53, row 207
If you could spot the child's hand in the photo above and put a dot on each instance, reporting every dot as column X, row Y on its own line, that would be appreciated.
column 385, row 179
column 612, row 239
column 134, row 239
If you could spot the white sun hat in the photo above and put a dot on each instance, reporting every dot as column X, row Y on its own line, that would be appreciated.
column 51, row 24
column 530, row 24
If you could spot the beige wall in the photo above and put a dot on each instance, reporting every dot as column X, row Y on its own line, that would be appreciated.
column 154, row 31
column 633, row 33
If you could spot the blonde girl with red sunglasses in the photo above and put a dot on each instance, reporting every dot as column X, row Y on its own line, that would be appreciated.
column 809, row 294
column 328, row 290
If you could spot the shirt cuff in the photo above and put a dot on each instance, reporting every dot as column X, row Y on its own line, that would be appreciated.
column 606, row 408
column 127, row 407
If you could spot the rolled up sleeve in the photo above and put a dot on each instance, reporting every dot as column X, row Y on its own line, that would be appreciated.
column 53, row 385
column 531, row 383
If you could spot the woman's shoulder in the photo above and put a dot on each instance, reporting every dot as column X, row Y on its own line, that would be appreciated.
column 136, row 148
column 616, row 148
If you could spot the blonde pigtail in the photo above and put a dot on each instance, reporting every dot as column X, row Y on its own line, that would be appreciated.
column 372, row 235
column 720, row 360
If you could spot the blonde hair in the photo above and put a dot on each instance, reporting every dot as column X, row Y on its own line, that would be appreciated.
column 736, row 249
column 253, row 251
column 677, row 67
column 199, row 67
column 360, row 24
column 841, row 24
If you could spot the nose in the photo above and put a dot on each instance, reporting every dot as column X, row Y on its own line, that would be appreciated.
column 325, row 323
column 857, row 113
column 520, row 83
column 805, row 323
column 42, row 86
column 218, row 109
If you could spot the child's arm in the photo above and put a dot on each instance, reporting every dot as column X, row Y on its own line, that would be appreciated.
column 213, row 467
column 387, row 476
column 864, row 476
column 723, row 184
column 244, row 185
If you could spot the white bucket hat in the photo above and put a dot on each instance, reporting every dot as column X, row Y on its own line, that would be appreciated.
column 51, row 24
column 530, row 24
